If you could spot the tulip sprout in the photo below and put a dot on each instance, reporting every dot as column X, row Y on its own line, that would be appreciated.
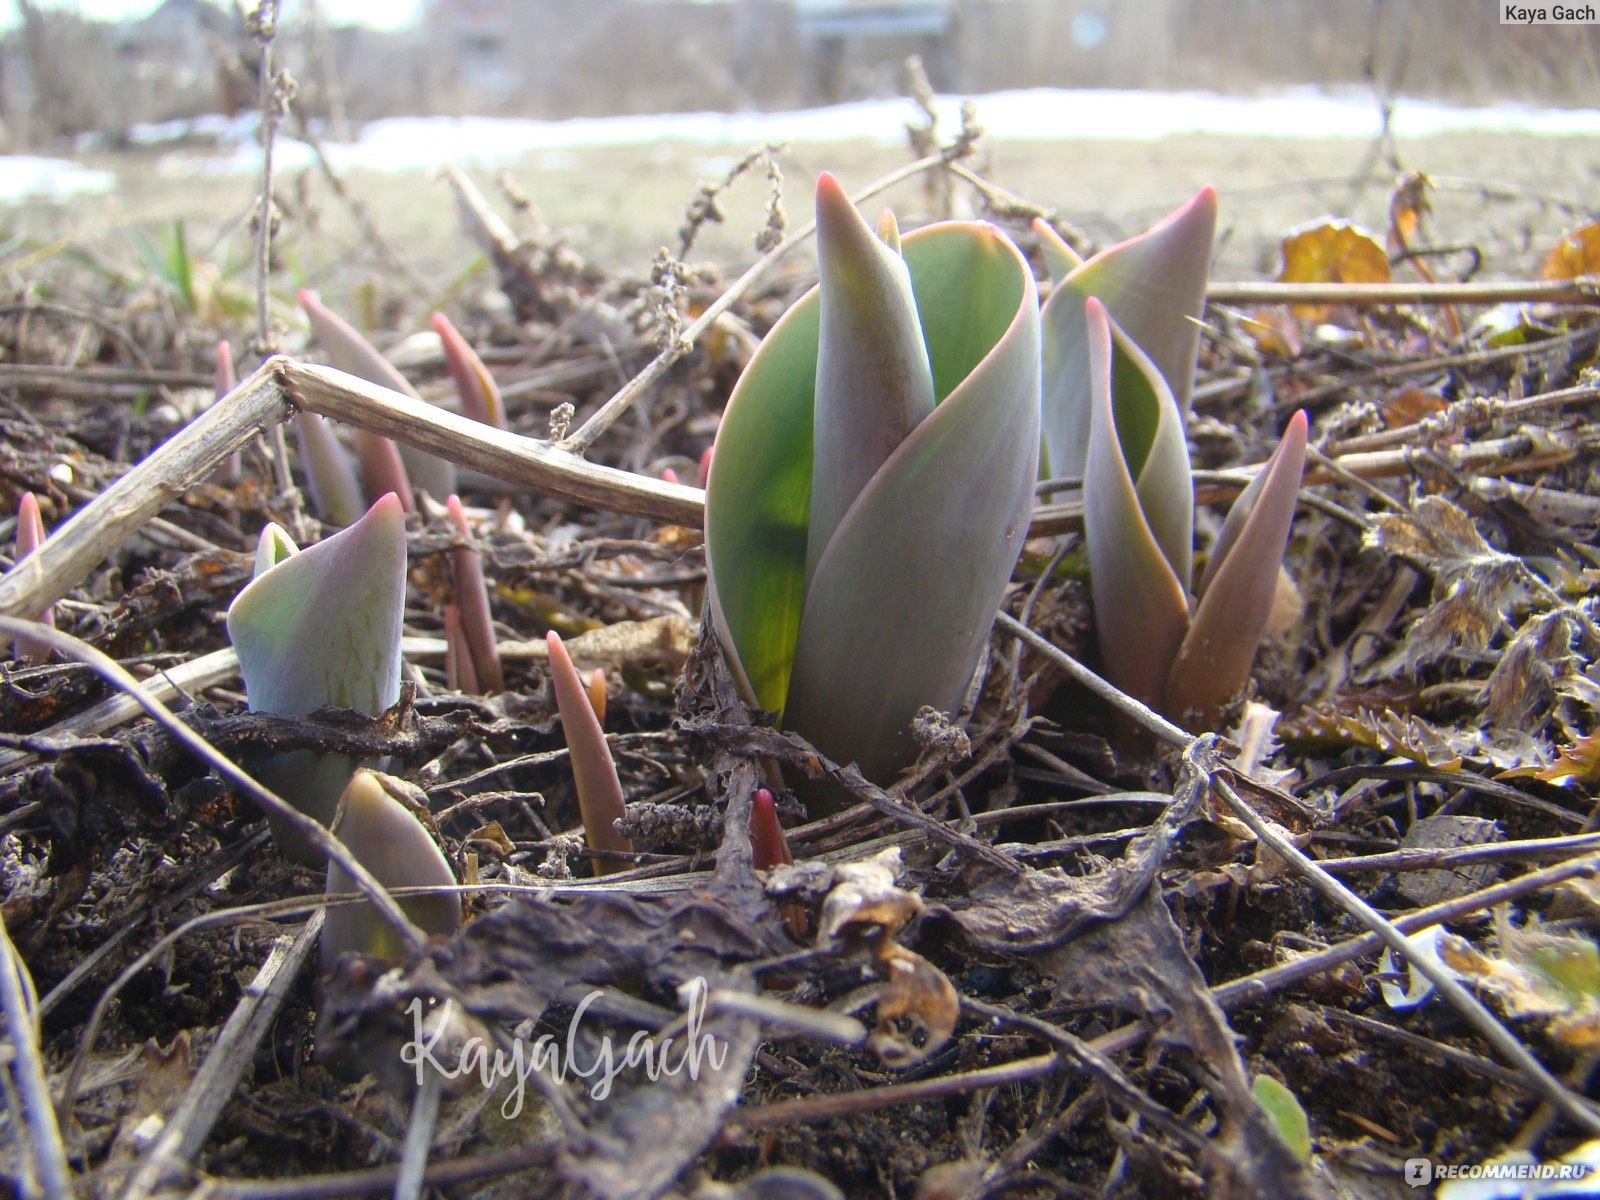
column 872, row 481
column 593, row 772
column 317, row 627
column 30, row 536
column 393, row 845
column 1139, row 521
column 472, row 603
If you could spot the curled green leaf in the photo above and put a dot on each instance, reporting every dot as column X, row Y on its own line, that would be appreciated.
column 896, row 605
column 1153, row 286
column 1138, row 513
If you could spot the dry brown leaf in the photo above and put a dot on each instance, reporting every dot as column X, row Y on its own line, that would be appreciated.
column 1388, row 732
column 1409, row 404
column 1474, row 585
column 918, row 992
column 1408, row 204
column 1331, row 252
column 1576, row 254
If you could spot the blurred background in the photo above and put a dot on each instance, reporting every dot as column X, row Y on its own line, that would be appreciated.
column 71, row 69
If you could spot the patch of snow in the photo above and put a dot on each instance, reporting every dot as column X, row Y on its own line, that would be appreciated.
column 25, row 177
column 1047, row 114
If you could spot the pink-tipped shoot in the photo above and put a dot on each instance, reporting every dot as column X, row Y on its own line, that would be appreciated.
column 30, row 536
column 593, row 772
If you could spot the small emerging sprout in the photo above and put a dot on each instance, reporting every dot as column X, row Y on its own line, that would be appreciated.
column 390, row 842
column 472, row 599
column 1139, row 523
column 480, row 396
column 769, row 848
column 30, row 536
column 594, row 773
column 383, row 465
column 318, row 627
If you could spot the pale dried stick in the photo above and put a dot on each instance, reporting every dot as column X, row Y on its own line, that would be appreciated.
column 521, row 460
column 183, row 460
column 1582, row 291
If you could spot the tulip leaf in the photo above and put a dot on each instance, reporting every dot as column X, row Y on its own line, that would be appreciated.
column 320, row 627
column 901, row 602
column 353, row 354
column 392, row 844
column 758, row 505
column 1140, row 594
column 335, row 492
column 1060, row 259
column 1153, row 285
column 874, row 384
column 1239, row 584
column 478, row 392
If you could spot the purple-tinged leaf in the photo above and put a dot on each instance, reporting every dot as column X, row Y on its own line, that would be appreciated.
column 902, row 600
column 1239, row 585
column 593, row 771
column 1140, row 595
column 330, row 475
column 874, row 381
column 1153, row 286
column 480, row 396
column 30, row 536
column 383, row 468
column 472, row 598
column 225, row 379
column 392, row 844
column 322, row 627
column 353, row 354
column 458, row 673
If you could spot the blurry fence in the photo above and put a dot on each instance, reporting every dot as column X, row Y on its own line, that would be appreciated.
column 558, row 58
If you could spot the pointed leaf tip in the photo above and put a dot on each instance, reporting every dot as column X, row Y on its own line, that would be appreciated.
column 472, row 598
column 391, row 843
column 1240, row 585
column 874, row 380
column 476, row 388
column 30, row 536
column 769, row 848
column 1138, row 513
column 594, row 773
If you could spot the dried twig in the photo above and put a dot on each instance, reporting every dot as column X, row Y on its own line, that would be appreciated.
column 190, row 1124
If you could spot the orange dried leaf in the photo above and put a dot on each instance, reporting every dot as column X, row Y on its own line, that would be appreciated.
column 1577, row 253
column 1409, row 404
column 1331, row 252
column 1577, row 763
